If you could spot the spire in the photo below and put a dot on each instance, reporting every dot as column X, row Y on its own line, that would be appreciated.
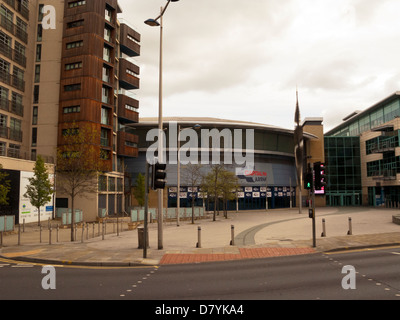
column 297, row 113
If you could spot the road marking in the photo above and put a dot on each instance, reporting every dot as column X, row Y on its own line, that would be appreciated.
column 362, row 250
column 398, row 253
column 24, row 265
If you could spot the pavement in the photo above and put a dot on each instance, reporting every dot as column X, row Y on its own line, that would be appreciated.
column 256, row 234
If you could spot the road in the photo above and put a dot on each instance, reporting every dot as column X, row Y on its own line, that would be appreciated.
column 310, row 277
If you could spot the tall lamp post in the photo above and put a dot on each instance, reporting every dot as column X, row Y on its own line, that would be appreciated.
column 155, row 23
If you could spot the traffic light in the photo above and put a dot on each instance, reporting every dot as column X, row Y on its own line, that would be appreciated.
column 159, row 174
column 308, row 182
column 320, row 176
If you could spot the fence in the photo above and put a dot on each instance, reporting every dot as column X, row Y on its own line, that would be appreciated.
column 66, row 217
column 169, row 213
column 7, row 223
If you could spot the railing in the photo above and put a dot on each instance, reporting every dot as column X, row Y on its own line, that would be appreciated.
column 13, row 28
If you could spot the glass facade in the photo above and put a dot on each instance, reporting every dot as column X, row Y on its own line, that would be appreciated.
column 343, row 166
column 376, row 117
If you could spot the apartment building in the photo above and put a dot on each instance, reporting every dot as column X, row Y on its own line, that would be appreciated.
column 63, row 64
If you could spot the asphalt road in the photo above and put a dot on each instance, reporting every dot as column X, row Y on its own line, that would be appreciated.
column 304, row 277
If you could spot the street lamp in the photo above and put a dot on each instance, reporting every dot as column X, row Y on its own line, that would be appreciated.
column 155, row 23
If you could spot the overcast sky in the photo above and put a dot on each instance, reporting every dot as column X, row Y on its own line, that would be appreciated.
column 242, row 59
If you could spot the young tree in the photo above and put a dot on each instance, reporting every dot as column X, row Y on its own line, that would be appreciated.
column 5, row 187
column 79, row 163
column 139, row 190
column 40, row 188
column 192, row 175
column 229, row 183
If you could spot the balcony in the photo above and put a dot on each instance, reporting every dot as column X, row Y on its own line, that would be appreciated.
column 129, row 41
column 127, row 109
column 128, row 75
column 13, row 28
column 128, row 145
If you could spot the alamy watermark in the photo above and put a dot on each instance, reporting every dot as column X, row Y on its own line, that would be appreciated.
column 208, row 151
column 49, row 17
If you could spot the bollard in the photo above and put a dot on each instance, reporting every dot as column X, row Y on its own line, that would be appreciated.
column 98, row 229
column 50, row 229
column 232, row 235
column 19, row 234
column 323, row 234
column 87, row 231
column 83, row 231
column 58, row 229
column 198, row 245
column 76, row 228
column 40, row 233
column 23, row 225
column 93, row 228
column 350, row 232
column 102, row 230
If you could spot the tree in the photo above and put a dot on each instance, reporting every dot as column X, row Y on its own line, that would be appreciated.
column 220, row 182
column 229, row 184
column 80, row 161
column 192, row 175
column 5, row 187
column 40, row 189
column 139, row 191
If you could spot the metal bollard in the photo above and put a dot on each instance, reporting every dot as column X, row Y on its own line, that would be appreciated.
column 350, row 232
column 93, row 228
column 198, row 245
column 83, row 231
column 58, row 229
column 76, row 228
column 50, row 229
column 19, row 234
column 232, row 235
column 102, row 230
column 40, row 233
column 323, row 234
column 87, row 231
column 23, row 225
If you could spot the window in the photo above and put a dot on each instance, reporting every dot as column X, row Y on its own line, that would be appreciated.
column 108, row 14
column 16, row 104
column 129, row 107
column 74, row 4
column 107, row 54
column 38, row 53
column 39, row 33
column 104, row 138
column 107, row 34
column 75, row 24
column 105, row 95
column 34, row 137
column 105, row 115
column 75, row 44
column 72, row 87
column 40, row 14
column 35, row 114
column 130, row 72
column 106, row 74
column 131, row 144
column 3, row 120
column 72, row 109
column 72, row 66
column 36, row 91
column 37, row 73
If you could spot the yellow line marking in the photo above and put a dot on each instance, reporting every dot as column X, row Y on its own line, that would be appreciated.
column 21, row 253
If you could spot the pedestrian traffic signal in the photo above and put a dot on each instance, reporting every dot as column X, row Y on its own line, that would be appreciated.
column 159, row 175
column 320, row 176
column 308, row 182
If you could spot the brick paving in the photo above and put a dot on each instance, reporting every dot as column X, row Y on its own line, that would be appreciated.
column 244, row 253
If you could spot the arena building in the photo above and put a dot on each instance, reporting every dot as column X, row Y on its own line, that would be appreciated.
column 273, row 176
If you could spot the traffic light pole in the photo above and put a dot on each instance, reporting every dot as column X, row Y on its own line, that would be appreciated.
column 146, row 211
column 313, row 210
